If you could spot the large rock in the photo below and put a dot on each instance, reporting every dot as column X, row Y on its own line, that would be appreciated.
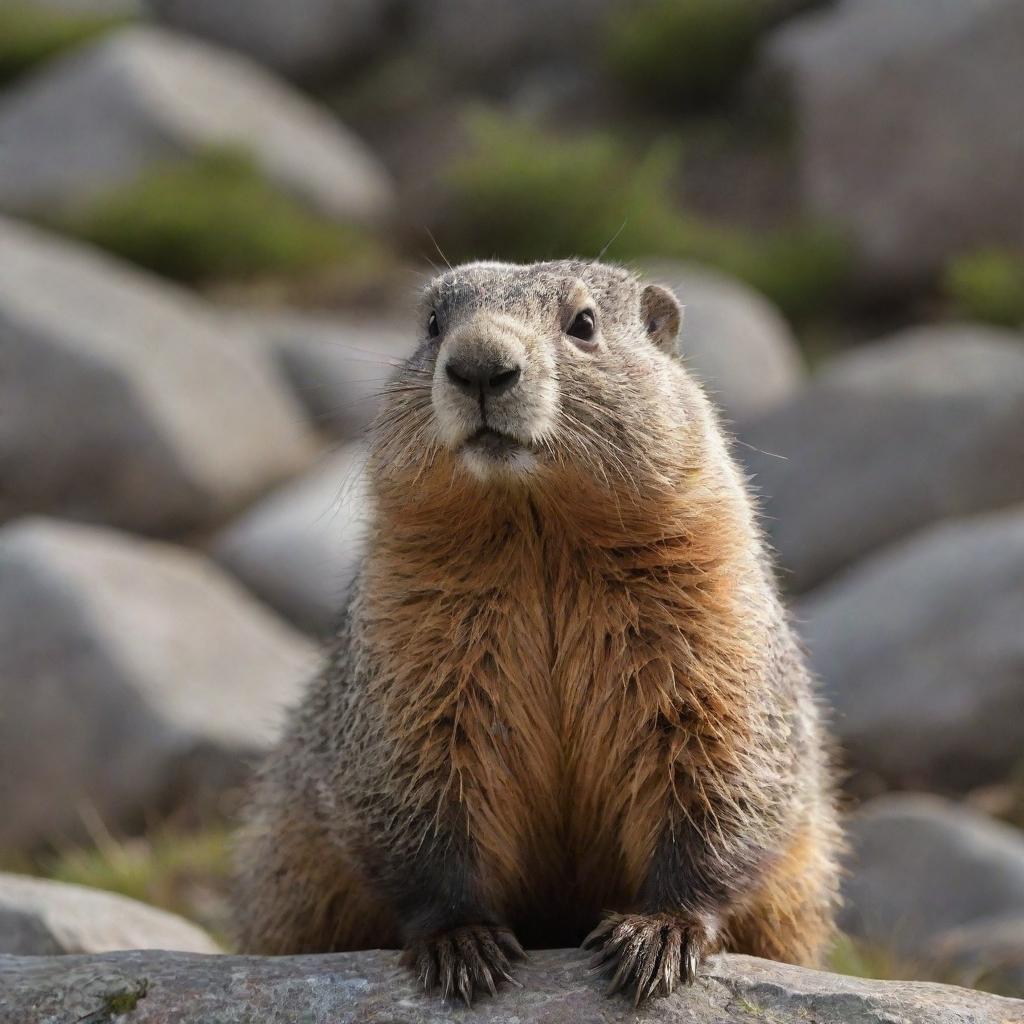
column 299, row 548
column 370, row 988
column 734, row 340
column 39, row 917
column 304, row 39
column 123, row 401
column 921, row 867
column 133, row 675
column 988, row 953
column 889, row 438
column 338, row 367
column 103, row 8
column 494, row 44
column 94, row 120
column 934, row 167
column 921, row 651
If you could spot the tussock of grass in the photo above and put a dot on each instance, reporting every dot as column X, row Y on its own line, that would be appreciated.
column 684, row 52
column 988, row 285
column 31, row 34
column 217, row 217
column 522, row 195
column 185, row 873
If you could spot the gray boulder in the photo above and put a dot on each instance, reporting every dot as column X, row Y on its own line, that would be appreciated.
column 479, row 40
column 337, row 366
column 39, row 917
column 93, row 121
column 898, row 107
column 304, row 39
column 987, row 954
column 133, row 676
column 299, row 548
column 124, row 401
column 921, row 652
column 734, row 340
column 103, row 8
column 886, row 439
column 370, row 988
column 920, row 867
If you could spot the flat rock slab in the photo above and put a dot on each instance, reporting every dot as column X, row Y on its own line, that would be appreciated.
column 370, row 988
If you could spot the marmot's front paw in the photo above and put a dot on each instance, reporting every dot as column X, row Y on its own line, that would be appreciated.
column 465, row 960
column 646, row 953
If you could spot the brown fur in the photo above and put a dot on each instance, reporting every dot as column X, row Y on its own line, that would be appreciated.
column 562, row 674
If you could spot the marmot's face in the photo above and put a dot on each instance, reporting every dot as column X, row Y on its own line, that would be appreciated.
column 522, row 370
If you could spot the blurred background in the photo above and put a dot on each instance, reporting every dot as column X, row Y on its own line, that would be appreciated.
column 212, row 216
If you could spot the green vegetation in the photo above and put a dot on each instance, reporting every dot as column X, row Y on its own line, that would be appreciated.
column 988, row 285
column 30, row 34
column 684, row 52
column 186, row 873
column 853, row 958
column 522, row 195
column 120, row 1003
column 217, row 217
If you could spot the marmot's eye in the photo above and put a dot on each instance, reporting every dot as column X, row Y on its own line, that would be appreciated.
column 582, row 326
column 433, row 328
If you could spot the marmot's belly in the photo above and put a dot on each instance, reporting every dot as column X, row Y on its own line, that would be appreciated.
column 565, row 873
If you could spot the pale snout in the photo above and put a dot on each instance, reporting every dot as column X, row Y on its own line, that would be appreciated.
column 492, row 391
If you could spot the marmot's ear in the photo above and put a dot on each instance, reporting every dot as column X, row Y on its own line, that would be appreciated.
column 662, row 316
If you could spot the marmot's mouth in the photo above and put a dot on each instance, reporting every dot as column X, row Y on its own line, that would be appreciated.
column 494, row 443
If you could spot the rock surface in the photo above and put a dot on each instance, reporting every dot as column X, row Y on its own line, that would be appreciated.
column 133, row 676
column 921, row 653
column 39, row 917
column 94, row 120
column 337, row 367
column 370, row 988
column 921, row 866
column 123, row 401
column 118, row 8
column 478, row 40
column 299, row 548
column 889, row 438
column 934, row 168
column 989, row 953
column 304, row 39
column 734, row 340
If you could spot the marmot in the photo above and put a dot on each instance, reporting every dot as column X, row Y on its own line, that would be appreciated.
column 564, row 698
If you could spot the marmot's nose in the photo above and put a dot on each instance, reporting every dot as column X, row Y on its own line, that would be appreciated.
column 485, row 378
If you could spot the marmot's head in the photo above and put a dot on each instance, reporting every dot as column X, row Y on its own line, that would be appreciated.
column 525, row 373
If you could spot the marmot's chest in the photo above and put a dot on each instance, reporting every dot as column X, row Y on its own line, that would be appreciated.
column 568, row 705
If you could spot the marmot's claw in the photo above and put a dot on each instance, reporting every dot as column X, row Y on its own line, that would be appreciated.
column 465, row 961
column 647, row 954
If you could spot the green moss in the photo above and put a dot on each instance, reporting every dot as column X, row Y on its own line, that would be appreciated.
column 216, row 217
column 522, row 195
column 684, row 52
column 30, row 34
column 126, row 1001
column 988, row 285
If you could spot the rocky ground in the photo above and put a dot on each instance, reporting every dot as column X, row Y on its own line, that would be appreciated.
column 185, row 389
column 371, row 988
